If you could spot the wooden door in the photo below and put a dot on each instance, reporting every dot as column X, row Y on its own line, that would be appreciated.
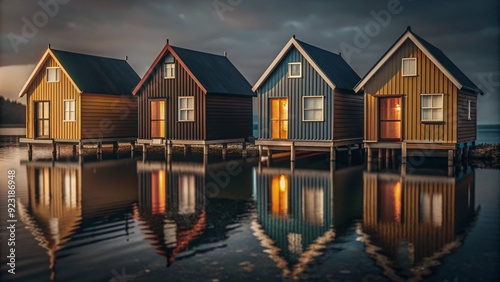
column 390, row 119
column 157, row 119
column 279, row 118
column 42, row 119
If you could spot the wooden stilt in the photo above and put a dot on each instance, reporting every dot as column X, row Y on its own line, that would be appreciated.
column 403, row 153
column 54, row 151
column 292, row 153
column 206, row 148
column 80, row 148
column 99, row 148
column 380, row 153
column 30, row 151
column 169, row 148
column 115, row 148
column 74, row 150
column 349, row 153
column 333, row 154
column 144, row 151
column 244, row 149
column 260, row 152
column 451, row 154
column 370, row 154
column 224, row 150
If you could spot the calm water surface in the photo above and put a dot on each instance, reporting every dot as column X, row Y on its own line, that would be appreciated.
column 129, row 220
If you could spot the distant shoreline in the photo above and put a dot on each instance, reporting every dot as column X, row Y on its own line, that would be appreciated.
column 12, row 125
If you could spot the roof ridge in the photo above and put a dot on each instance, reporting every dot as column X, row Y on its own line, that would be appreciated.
column 201, row 52
column 85, row 54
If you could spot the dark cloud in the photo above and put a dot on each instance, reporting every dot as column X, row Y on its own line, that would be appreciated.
column 254, row 31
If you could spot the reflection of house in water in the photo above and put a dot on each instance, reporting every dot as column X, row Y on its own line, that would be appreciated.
column 66, row 199
column 173, row 212
column 412, row 222
column 171, row 205
column 300, row 212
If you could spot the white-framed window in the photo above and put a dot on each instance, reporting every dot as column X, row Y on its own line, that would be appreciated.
column 469, row 102
column 186, row 108
column 52, row 74
column 69, row 110
column 169, row 70
column 295, row 70
column 432, row 107
column 409, row 67
column 312, row 108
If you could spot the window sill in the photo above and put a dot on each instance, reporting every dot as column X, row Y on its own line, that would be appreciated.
column 69, row 120
column 433, row 122
column 294, row 77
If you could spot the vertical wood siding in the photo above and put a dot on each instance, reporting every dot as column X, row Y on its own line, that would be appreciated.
column 55, row 93
column 228, row 116
column 171, row 89
column 427, row 239
column 389, row 81
column 105, row 116
column 466, row 129
column 348, row 115
column 311, row 84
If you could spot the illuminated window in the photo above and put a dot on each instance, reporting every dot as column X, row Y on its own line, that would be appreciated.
column 409, row 67
column 295, row 70
column 432, row 107
column 279, row 118
column 186, row 108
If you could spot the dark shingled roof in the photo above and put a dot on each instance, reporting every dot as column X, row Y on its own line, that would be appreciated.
column 333, row 65
column 93, row 74
column 447, row 63
column 216, row 73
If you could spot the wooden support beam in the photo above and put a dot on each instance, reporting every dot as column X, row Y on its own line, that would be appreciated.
column 333, row 154
column 206, row 148
column 380, row 153
column 349, row 153
column 451, row 154
column 73, row 150
column 224, row 150
column 80, row 148
column 260, row 152
column 169, row 148
column 54, row 151
column 115, row 147
column 292, row 153
column 403, row 153
column 30, row 151
column 144, row 151
column 99, row 148
column 370, row 155
column 244, row 149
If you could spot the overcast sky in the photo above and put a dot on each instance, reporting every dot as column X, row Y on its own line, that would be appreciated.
column 252, row 32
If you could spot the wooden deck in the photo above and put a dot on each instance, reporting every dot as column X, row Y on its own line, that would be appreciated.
column 168, row 144
column 80, row 143
column 455, row 151
column 311, row 146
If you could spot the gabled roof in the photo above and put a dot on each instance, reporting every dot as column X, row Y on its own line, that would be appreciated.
column 331, row 67
column 452, row 72
column 214, row 74
column 90, row 74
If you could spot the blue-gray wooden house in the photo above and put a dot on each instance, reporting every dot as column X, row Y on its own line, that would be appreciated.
column 306, row 101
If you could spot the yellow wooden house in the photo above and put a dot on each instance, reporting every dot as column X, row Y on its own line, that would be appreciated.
column 416, row 98
column 77, row 98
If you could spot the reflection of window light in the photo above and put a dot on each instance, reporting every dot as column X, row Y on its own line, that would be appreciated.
column 187, row 194
column 295, row 243
column 70, row 188
column 279, row 195
column 398, row 107
column 158, row 193
column 431, row 208
column 313, row 205
column 170, row 232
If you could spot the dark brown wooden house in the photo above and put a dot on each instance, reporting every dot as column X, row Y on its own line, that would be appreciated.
column 416, row 98
column 193, row 98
